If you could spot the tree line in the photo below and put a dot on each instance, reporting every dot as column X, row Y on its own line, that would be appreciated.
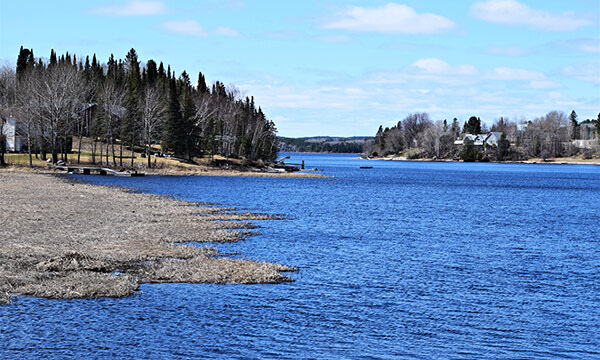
column 552, row 135
column 322, row 144
column 125, row 105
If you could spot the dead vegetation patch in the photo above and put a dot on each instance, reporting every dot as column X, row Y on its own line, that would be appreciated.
column 60, row 239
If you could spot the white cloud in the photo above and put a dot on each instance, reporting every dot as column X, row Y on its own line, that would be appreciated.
column 390, row 19
column 226, row 31
column 584, row 45
column 506, row 73
column 440, row 67
column 512, row 12
column 435, row 72
column 543, row 84
column 588, row 45
column 585, row 71
column 132, row 8
column 184, row 27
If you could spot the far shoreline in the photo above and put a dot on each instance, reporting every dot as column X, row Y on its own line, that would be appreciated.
column 536, row 161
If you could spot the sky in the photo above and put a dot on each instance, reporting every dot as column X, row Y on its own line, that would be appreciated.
column 342, row 67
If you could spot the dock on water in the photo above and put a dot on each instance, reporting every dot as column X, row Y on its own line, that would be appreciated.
column 88, row 170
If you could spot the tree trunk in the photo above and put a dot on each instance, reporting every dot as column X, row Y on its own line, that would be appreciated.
column 29, row 149
column 94, row 151
column 2, row 147
column 54, row 150
column 148, row 150
column 66, row 151
column 112, row 145
column 132, row 151
column 79, row 149
column 101, row 152
column 121, row 153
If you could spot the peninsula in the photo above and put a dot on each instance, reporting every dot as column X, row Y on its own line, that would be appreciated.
column 61, row 239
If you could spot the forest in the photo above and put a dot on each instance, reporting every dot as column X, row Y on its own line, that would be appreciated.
column 323, row 144
column 553, row 135
column 126, row 105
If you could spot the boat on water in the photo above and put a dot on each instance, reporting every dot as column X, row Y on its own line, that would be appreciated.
column 366, row 167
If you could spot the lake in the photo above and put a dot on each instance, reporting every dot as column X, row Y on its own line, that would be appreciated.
column 408, row 260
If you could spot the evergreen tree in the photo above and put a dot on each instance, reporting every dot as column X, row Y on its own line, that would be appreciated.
column 455, row 128
column 53, row 59
column 173, row 136
column 161, row 71
column 24, row 61
column 188, row 114
column 574, row 125
column 379, row 141
column 469, row 153
column 472, row 126
column 130, row 127
column 503, row 147
column 202, row 88
column 151, row 72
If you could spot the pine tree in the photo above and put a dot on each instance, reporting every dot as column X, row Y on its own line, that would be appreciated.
column 379, row 141
column 53, row 59
column 188, row 114
column 574, row 125
column 202, row 88
column 130, row 127
column 151, row 72
column 472, row 126
column 455, row 128
column 503, row 147
column 24, row 61
column 173, row 136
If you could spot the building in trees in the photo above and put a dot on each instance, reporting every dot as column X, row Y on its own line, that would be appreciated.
column 14, row 135
column 480, row 141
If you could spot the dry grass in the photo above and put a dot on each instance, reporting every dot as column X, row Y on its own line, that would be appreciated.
column 60, row 239
column 161, row 166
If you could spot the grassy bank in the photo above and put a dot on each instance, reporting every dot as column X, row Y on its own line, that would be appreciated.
column 61, row 240
column 201, row 166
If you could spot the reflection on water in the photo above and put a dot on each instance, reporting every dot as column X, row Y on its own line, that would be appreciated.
column 405, row 260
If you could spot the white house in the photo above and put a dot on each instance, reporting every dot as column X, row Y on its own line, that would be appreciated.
column 481, row 140
column 15, row 136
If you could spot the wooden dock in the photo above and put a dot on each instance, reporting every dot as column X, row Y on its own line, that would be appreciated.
column 289, row 167
column 89, row 170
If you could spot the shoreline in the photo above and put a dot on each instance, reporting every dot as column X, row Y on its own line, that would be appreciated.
column 63, row 239
column 558, row 161
column 176, row 171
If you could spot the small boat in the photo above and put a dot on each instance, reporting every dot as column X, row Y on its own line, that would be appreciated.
column 366, row 167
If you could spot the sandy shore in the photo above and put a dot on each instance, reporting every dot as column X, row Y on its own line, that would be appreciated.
column 60, row 239
column 208, row 171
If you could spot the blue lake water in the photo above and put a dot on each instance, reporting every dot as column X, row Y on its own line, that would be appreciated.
column 407, row 260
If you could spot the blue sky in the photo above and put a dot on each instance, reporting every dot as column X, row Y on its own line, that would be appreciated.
column 344, row 67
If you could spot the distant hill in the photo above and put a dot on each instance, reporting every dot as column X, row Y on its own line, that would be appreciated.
column 327, row 144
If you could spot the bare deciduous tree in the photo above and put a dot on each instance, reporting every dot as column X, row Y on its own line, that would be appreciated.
column 153, row 113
